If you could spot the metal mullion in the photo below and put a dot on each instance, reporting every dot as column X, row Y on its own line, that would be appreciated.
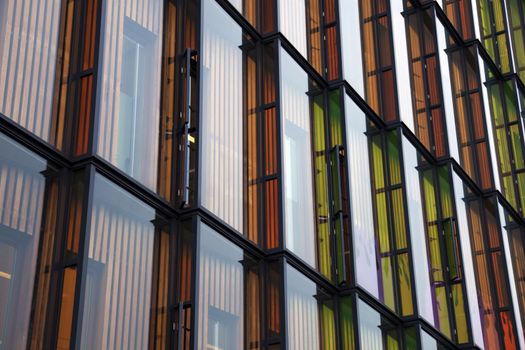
column 342, row 96
column 84, row 237
column 330, row 186
column 58, row 252
column 94, row 116
column 277, row 46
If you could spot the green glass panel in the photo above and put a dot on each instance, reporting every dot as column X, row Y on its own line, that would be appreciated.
column 521, row 188
column 497, row 106
column 459, row 311
column 430, row 196
column 445, row 188
column 336, row 122
column 382, row 223
column 405, row 285
column 321, row 188
column 510, row 101
column 442, row 308
column 392, row 343
column 394, row 147
column 485, row 17
column 410, row 338
column 499, row 17
column 508, row 189
column 517, row 146
column 503, row 52
column 399, row 218
column 339, row 247
column 347, row 324
column 388, row 282
column 328, row 326
column 452, row 249
column 336, row 181
column 514, row 13
column 503, row 150
column 377, row 156
column 435, row 253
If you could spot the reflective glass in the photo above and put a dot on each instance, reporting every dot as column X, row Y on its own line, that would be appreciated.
column 128, row 97
column 310, row 314
column 119, row 273
column 361, row 197
column 22, row 225
column 297, row 149
column 221, row 297
column 375, row 332
column 29, row 51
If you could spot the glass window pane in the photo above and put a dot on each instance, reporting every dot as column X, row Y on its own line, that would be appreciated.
column 310, row 314
column 29, row 42
column 118, row 287
column 222, row 116
column 128, row 98
column 375, row 332
column 22, row 187
column 292, row 23
column 361, row 197
column 220, row 292
column 297, row 162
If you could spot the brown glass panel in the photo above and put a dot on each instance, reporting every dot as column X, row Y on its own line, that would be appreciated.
column 268, row 18
column 383, row 41
column 270, row 142
column 389, row 95
column 66, row 308
column 484, row 165
column 44, row 270
column 499, row 282
column 84, row 115
column 273, row 305
column 89, row 34
column 508, row 331
column 314, row 30
column 439, row 133
column 272, row 215
column 332, row 55
column 252, row 308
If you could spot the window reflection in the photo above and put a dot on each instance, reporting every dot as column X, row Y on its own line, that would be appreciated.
column 118, row 289
column 297, row 160
column 228, row 315
column 28, row 57
column 310, row 314
column 129, row 87
column 375, row 332
column 22, row 186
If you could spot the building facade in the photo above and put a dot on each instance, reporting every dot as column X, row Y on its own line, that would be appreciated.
column 262, row 174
